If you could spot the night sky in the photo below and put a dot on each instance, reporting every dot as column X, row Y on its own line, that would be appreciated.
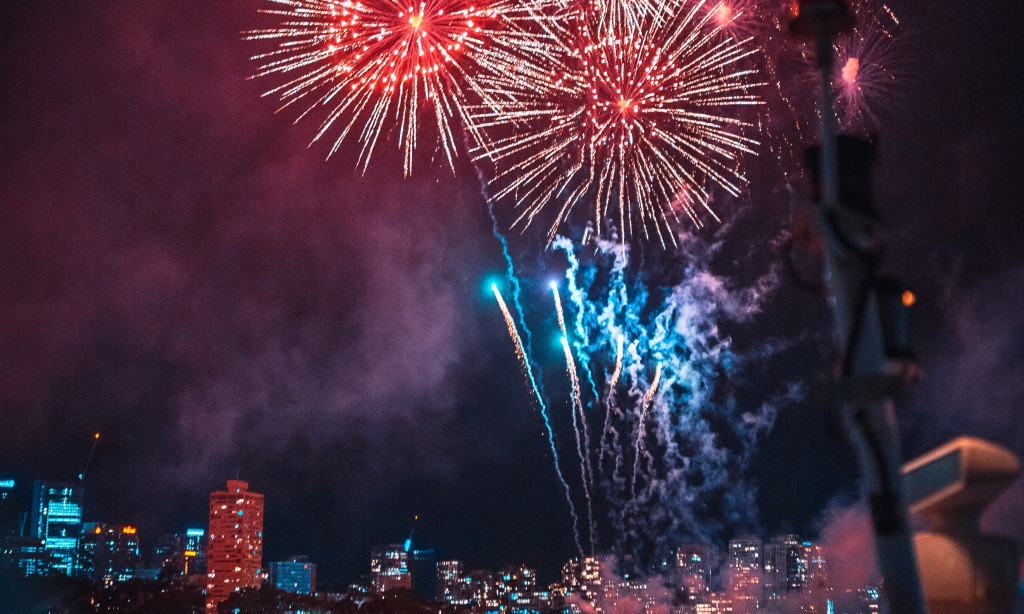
column 182, row 272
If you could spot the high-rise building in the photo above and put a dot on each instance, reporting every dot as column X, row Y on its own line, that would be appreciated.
column 745, row 553
column 8, row 510
column 453, row 583
column 744, row 574
column 294, row 575
column 108, row 554
column 56, row 519
column 181, row 553
column 584, row 577
column 693, row 560
column 389, row 568
column 484, row 590
column 235, row 548
column 785, row 565
column 517, row 588
column 423, row 566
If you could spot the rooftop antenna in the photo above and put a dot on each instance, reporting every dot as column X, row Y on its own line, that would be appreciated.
column 88, row 459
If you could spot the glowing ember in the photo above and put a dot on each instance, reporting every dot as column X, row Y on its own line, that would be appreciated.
column 723, row 14
column 850, row 70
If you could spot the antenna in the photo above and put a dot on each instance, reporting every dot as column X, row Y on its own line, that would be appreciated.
column 88, row 459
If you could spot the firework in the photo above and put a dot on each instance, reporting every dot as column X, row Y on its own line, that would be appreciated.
column 629, row 115
column 655, row 452
column 868, row 67
column 525, row 362
column 870, row 63
column 376, row 67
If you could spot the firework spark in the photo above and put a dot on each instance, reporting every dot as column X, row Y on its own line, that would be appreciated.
column 631, row 118
column 376, row 66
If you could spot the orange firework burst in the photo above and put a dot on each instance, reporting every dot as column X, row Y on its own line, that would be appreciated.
column 635, row 116
column 375, row 65
column 868, row 67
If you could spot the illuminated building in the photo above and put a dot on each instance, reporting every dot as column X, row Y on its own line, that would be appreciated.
column 517, row 588
column 235, row 547
column 745, row 553
column 389, row 568
column 56, row 519
column 294, row 575
column 817, row 585
column 26, row 554
column 584, row 577
column 785, row 566
column 484, row 590
column 453, row 583
column 8, row 510
column 744, row 574
column 693, row 563
column 716, row 603
column 181, row 553
column 108, row 554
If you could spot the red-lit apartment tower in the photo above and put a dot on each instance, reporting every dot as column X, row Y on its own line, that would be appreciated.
column 235, row 549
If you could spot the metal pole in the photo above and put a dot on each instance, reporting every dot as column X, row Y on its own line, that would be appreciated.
column 864, row 390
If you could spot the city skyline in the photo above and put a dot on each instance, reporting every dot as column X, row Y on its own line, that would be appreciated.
column 391, row 562
column 747, row 575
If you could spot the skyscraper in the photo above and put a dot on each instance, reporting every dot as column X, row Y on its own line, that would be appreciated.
column 694, row 563
column 8, row 510
column 108, row 554
column 389, row 568
column 785, row 565
column 235, row 549
column 453, row 583
column 181, row 553
column 744, row 574
column 56, row 519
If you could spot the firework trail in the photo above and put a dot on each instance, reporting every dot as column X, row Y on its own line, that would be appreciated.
column 579, row 424
column 672, row 450
column 618, row 367
column 513, row 280
column 525, row 363
column 570, row 362
column 635, row 116
column 558, row 311
column 374, row 67
column 640, row 427
column 576, row 295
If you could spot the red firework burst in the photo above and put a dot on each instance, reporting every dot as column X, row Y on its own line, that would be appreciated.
column 632, row 113
column 375, row 66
